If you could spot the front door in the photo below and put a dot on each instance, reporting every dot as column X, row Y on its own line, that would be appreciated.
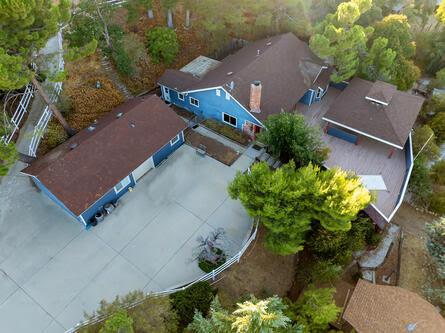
column 143, row 169
column 251, row 129
column 166, row 94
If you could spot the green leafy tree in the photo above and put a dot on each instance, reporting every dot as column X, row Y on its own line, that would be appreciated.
column 440, row 12
column 288, row 199
column 289, row 137
column 315, row 309
column 424, row 143
column 440, row 78
column 396, row 29
column 341, row 41
column 8, row 156
column 119, row 322
column 162, row 44
column 260, row 316
column 430, row 51
column 437, row 202
column 198, row 297
column 379, row 62
column 438, row 173
column 251, row 316
column 437, row 124
column 420, row 184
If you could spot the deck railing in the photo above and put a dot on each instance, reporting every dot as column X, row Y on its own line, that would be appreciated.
column 207, row 277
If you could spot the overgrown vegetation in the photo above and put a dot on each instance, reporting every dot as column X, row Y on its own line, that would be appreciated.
column 436, row 247
column 162, row 44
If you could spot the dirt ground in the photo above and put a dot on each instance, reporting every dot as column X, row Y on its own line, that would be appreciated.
column 260, row 272
column 416, row 270
column 214, row 148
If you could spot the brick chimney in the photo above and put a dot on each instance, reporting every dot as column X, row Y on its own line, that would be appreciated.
column 255, row 96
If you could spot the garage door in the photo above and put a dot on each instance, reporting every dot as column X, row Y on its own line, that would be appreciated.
column 143, row 169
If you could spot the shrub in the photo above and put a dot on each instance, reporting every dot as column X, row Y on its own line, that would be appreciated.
column 437, row 202
column 134, row 47
column 437, row 124
column 325, row 271
column 420, row 183
column 438, row 173
column 186, row 302
column 436, row 244
column 76, row 53
column 119, row 322
column 124, row 64
column 83, row 30
column 55, row 135
column 152, row 314
column 162, row 44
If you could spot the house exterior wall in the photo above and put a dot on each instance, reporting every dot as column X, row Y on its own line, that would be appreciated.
column 212, row 106
column 165, row 151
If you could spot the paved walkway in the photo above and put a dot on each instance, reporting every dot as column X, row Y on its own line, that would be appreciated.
column 51, row 269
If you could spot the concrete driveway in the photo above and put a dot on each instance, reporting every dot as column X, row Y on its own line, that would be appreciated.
column 52, row 270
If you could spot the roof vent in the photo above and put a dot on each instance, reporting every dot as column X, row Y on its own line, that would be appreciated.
column 132, row 124
column 229, row 73
column 269, row 43
column 73, row 145
column 120, row 114
column 91, row 128
column 258, row 52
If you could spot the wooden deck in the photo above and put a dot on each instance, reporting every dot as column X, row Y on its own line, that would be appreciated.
column 369, row 157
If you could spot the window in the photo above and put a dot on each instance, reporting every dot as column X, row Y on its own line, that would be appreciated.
column 218, row 92
column 166, row 90
column 181, row 96
column 319, row 92
column 194, row 101
column 123, row 184
column 174, row 140
column 227, row 96
column 228, row 119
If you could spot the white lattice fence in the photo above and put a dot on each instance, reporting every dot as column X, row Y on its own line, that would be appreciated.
column 13, row 124
column 208, row 277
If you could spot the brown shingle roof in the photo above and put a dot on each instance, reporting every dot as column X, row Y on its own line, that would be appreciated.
column 284, row 64
column 391, row 123
column 103, row 157
column 382, row 91
column 386, row 309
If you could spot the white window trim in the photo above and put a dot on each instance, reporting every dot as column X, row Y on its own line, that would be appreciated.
column 319, row 92
column 218, row 92
column 228, row 123
column 175, row 140
column 197, row 100
column 227, row 96
column 124, row 182
column 179, row 96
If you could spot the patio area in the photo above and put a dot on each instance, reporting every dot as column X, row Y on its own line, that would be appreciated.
column 52, row 270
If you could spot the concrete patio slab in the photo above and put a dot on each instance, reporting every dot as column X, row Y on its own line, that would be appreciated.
column 7, row 286
column 20, row 313
column 53, row 269
column 119, row 277
column 161, row 239
column 67, row 274
column 167, row 277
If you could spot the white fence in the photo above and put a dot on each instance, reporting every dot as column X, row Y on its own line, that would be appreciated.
column 13, row 124
column 210, row 276
column 42, row 123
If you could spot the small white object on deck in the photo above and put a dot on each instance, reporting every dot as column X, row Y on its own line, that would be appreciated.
column 373, row 182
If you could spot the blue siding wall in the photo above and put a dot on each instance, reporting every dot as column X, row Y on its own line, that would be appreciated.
column 339, row 133
column 211, row 106
column 110, row 196
column 308, row 97
column 52, row 196
column 165, row 151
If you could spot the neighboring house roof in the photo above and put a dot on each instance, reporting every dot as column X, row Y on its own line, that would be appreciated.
column 106, row 152
column 285, row 65
column 387, row 309
column 377, row 109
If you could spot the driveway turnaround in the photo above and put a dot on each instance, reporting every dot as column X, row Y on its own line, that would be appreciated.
column 52, row 270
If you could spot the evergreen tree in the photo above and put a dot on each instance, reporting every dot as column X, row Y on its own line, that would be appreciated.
column 289, row 137
column 287, row 200
column 378, row 63
column 315, row 309
column 162, row 44
column 341, row 41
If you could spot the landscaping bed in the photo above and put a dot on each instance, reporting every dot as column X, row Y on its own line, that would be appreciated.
column 260, row 272
column 213, row 148
column 227, row 131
